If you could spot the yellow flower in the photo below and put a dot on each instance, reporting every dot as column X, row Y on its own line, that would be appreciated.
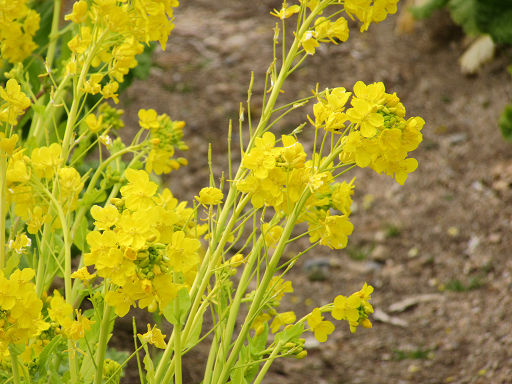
column 355, row 308
column 363, row 113
column 79, row 14
column 271, row 235
column 45, row 160
column 19, row 243
column 59, row 310
column 20, row 308
column 93, row 123
column 259, row 323
column 183, row 252
column 80, row 43
column 120, row 301
column 15, row 102
column 148, row 119
column 309, row 42
column 77, row 328
column 321, row 328
column 282, row 319
column 327, row 29
column 7, row 144
column 285, row 12
column 83, row 274
column 105, row 218
column 12, row 94
column 109, row 91
column 153, row 336
column 139, row 191
column 342, row 196
column 210, row 196
column 71, row 185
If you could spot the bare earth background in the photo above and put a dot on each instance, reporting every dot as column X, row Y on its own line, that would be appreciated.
column 437, row 250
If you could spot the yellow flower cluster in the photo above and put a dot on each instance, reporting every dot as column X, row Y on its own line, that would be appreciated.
column 165, row 136
column 20, row 309
column 14, row 102
column 61, row 312
column 113, row 33
column 370, row 11
column 145, row 244
column 43, row 165
column 278, row 177
column 17, row 29
column 379, row 136
column 325, row 30
column 354, row 309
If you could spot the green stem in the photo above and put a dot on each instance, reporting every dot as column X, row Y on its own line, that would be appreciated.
column 177, row 355
column 54, row 34
column 262, row 289
column 3, row 206
column 102, row 343
column 268, row 363
column 14, row 363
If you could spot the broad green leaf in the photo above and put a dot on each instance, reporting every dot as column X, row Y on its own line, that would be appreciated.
column 424, row 11
column 81, row 233
column 176, row 311
column 505, row 122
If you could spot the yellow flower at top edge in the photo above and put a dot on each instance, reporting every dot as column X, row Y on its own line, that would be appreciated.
column 285, row 12
column 79, row 14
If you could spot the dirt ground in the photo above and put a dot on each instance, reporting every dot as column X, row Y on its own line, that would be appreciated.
column 437, row 250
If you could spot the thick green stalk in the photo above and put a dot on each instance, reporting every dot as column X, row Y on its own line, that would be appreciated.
column 102, row 343
column 177, row 354
column 205, row 271
column 73, row 363
column 14, row 364
column 268, row 363
column 261, row 291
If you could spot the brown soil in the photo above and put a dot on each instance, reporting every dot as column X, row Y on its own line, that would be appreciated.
column 442, row 240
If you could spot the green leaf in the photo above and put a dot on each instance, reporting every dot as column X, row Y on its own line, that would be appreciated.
column 425, row 11
column 259, row 342
column 290, row 333
column 150, row 369
column 495, row 18
column 45, row 354
column 81, row 233
column 12, row 263
column 505, row 122
column 176, row 311
column 463, row 13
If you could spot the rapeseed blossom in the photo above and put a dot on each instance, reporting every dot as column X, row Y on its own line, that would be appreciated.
column 320, row 327
column 143, row 245
column 20, row 309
